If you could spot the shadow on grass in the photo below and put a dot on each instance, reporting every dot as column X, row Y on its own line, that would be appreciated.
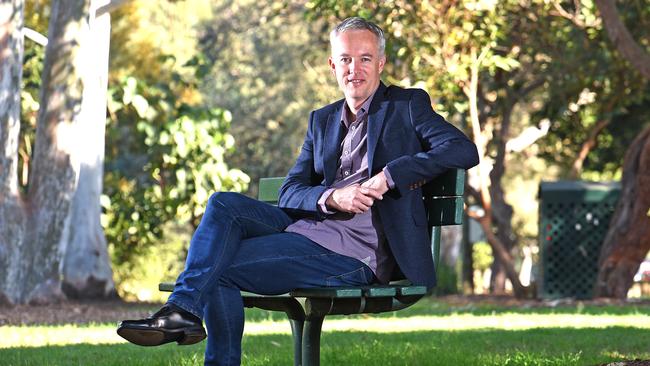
column 434, row 307
column 549, row 346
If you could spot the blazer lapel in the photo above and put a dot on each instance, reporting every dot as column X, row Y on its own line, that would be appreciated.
column 332, row 145
column 376, row 116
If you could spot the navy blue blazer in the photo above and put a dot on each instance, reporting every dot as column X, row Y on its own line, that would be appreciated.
column 405, row 135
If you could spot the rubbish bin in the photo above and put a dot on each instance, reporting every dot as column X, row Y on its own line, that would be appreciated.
column 573, row 221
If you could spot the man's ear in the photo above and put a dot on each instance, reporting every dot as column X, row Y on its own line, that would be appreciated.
column 382, row 62
column 332, row 65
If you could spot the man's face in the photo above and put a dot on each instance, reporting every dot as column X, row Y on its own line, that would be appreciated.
column 356, row 63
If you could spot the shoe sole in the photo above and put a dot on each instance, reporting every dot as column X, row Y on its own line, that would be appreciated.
column 152, row 337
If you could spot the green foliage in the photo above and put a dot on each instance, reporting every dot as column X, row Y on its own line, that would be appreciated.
column 481, row 255
column 36, row 13
column 447, row 280
column 139, row 276
column 269, row 68
column 589, row 83
column 164, row 157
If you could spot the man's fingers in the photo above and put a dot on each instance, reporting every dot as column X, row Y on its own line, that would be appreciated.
column 375, row 194
column 365, row 200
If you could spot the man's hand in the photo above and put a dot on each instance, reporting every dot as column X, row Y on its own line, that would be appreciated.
column 353, row 199
column 379, row 183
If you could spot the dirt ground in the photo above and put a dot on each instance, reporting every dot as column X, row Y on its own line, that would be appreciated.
column 107, row 311
column 77, row 312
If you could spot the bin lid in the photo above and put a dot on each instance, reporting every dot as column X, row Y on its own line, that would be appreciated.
column 579, row 191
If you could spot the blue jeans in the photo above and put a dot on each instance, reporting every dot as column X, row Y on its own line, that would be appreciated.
column 240, row 245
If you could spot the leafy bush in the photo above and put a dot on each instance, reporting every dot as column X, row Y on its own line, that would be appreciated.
column 164, row 157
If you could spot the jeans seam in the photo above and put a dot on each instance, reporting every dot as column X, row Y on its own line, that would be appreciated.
column 241, row 217
column 285, row 257
column 222, row 307
column 237, row 217
column 360, row 269
column 212, row 270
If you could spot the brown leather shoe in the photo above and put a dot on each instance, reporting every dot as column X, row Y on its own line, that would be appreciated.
column 169, row 324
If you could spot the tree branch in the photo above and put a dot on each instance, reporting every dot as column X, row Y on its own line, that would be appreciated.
column 35, row 36
column 114, row 4
column 587, row 146
column 622, row 39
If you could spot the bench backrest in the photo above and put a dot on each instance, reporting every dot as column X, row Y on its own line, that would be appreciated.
column 443, row 201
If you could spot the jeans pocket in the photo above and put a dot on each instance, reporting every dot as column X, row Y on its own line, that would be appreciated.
column 358, row 277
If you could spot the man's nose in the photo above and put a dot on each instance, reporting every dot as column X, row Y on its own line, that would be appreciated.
column 353, row 66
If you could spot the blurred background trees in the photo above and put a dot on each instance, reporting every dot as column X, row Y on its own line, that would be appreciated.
column 211, row 95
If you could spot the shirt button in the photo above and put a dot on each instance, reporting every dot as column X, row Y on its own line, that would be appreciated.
column 346, row 173
column 353, row 127
column 346, row 152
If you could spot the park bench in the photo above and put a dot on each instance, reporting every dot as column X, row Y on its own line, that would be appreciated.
column 307, row 308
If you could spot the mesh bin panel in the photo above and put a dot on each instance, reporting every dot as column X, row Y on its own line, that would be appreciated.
column 574, row 218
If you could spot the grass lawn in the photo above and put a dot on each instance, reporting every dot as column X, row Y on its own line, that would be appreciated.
column 429, row 333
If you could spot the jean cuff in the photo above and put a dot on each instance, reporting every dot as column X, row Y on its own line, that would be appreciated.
column 181, row 304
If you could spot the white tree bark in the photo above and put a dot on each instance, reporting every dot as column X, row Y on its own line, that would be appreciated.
column 51, row 238
column 35, row 234
column 86, row 268
column 11, row 211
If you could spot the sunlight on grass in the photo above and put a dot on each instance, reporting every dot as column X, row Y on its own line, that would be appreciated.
column 36, row 336
column 59, row 335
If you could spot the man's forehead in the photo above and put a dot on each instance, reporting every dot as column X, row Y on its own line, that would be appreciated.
column 355, row 46
column 357, row 34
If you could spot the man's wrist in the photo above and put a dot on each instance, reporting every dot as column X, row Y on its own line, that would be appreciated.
column 326, row 202
column 389, row 179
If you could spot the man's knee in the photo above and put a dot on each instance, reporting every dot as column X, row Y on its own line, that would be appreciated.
column 225, row 198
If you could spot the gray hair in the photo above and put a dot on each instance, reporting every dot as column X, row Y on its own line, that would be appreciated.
column 357, row 23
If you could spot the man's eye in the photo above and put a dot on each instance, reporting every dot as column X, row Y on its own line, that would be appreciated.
column 365, row 59
column 345, row 60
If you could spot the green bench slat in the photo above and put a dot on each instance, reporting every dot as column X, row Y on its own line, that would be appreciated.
column 451, row 183
column 412, row 290
column 334, row 292
column 379, row 291
column 269, row 187
column 445, row 211
column 328, row 292
column 166, row 287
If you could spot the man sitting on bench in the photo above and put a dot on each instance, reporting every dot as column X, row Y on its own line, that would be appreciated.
column 350, row 209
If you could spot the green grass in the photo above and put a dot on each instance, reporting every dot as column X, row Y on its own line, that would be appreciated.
column 429, row 333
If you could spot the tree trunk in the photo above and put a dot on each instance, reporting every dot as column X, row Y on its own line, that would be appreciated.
column 497, row 211
column 11, row 210
column 622, row 39
column 628, row 240
column 37, row 242
column 86, row 270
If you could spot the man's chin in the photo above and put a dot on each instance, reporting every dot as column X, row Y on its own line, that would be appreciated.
column 354, row 94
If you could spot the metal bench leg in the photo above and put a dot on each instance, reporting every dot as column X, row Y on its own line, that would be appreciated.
column 294, row 311
column 296, row 332
column 311, row 341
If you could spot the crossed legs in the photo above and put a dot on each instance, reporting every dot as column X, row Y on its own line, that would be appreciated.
column 240, row 245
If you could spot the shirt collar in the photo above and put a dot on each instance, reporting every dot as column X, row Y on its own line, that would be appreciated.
column 362, row 111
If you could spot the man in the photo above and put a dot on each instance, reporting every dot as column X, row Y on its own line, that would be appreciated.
column 350, row 210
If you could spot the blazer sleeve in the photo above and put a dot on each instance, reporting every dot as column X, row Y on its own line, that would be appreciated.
column 303, row 187
column 443, row 147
